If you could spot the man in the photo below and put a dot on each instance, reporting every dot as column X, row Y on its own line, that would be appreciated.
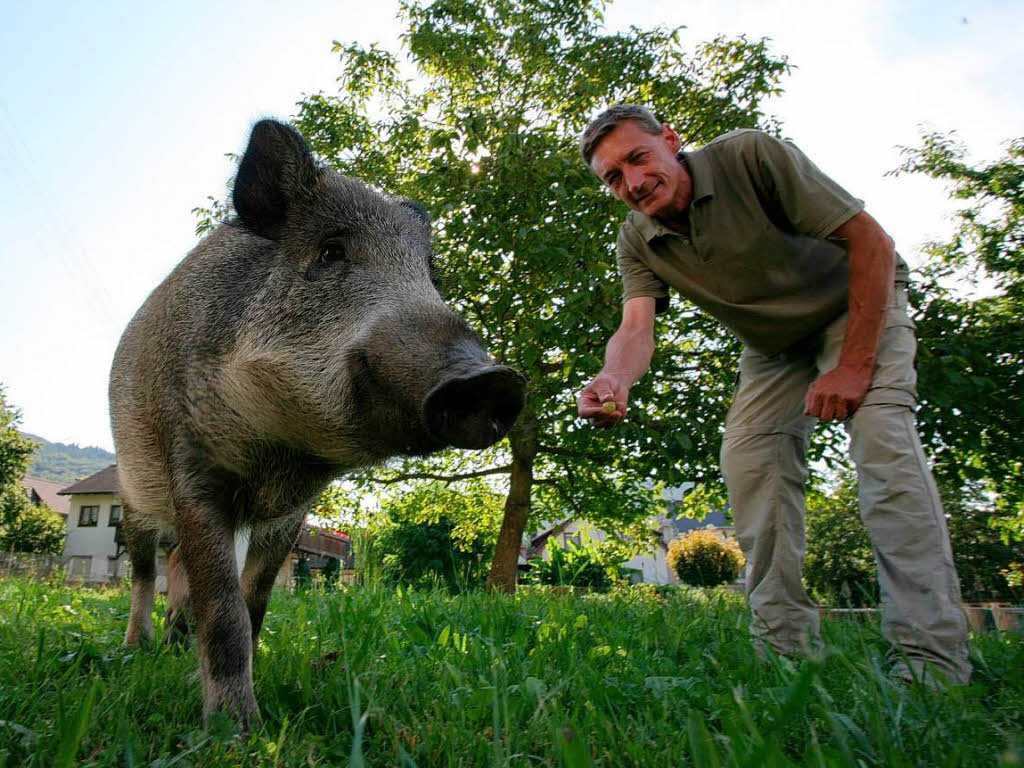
column 750, row 231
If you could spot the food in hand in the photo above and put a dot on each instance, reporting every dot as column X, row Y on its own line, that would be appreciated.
column 608, row 407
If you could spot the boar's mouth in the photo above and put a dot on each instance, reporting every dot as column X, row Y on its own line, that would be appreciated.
column 475, row 409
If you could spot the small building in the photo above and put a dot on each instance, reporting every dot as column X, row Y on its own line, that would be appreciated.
column 95, row 548
column 317, row 546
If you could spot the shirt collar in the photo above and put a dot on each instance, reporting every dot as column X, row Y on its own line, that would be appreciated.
column 703, row 187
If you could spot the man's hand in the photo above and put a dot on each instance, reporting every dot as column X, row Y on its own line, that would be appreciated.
column 626, row 357
column 605, row 399
column 839, row 392
column 835, row 395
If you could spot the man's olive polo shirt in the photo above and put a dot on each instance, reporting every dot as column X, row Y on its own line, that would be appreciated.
column 757, row 256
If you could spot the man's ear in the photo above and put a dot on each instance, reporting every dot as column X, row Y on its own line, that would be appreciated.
column 670, row 136
column 276, row 168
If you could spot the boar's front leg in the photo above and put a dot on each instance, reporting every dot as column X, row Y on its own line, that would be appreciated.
column 223, row 634
column 269, row 545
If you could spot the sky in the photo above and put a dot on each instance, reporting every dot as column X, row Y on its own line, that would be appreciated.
column 115, row 119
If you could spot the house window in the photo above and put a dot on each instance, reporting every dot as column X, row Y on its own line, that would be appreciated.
column 88, row 515
column 80, row 566
column 115, row 514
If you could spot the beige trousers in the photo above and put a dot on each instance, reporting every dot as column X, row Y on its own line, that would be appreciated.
column 765, row 466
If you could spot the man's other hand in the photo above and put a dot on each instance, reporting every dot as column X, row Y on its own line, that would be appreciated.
column 604, row 400
column 835, row 395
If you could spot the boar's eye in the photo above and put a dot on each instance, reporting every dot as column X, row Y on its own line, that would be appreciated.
column 332, row 252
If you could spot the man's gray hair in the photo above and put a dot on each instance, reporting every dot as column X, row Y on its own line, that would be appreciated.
column 605, row 123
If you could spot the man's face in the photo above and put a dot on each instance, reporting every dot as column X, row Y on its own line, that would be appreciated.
column 642, row 171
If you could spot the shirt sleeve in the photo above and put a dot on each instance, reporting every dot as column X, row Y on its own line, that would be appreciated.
column 637, row 277
column 812, row 202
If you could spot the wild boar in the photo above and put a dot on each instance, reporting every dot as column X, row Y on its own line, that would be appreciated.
column 295, row 343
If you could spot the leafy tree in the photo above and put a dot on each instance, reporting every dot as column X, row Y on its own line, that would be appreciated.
column 701, row 558
column 486, row 138
column 971, row 325
column 29, row 527
column 839, row 568
column 983, row 557
column 24, row 526
column 474, row 507
column 15, row 448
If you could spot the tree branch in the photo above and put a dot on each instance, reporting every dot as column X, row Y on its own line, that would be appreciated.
column 677, row 379
column 598, row 458
column 446, row 478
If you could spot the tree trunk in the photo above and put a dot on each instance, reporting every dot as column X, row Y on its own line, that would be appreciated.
column 523, row 441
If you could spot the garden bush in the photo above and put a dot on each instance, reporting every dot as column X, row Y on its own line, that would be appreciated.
column 839, row 568
column 701, row 558
column 575, row 565
column 421, row 554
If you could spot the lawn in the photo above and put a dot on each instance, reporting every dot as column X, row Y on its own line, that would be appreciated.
column 371, row 677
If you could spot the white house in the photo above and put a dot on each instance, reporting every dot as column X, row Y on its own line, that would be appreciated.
column 93, row 545
column 649, row 567
column 95, row 548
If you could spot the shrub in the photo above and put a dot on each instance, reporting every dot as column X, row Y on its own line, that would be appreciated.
column 575, row 565
column 303, row 574
column 28, row 527
column 839, row 568
column 420, row 554
column 332, row 572
column 703, row 559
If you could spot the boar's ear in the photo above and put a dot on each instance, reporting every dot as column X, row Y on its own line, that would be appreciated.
column 419, row 209
column 276, row 168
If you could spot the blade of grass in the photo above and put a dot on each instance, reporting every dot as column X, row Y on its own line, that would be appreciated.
column 75, row 730
column 702, row 748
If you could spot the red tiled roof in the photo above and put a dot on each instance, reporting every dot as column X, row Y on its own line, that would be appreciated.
column 47, row 491
column 104, row 481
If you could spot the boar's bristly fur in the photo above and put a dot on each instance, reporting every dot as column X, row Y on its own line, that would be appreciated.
column 302, row 340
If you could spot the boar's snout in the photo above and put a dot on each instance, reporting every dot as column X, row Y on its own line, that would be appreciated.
column 475, row 409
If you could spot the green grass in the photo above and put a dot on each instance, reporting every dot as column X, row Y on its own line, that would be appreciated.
column 367, row 677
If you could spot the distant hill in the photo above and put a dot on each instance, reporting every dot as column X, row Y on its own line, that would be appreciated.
column 64, row 463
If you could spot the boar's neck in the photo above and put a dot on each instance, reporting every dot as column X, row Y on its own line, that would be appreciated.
column 281, row 480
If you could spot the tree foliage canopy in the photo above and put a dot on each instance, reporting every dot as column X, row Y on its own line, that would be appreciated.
column 840, row 566
column 28, row 527
column 24, row 526
column 971, row 325
column 15, row 449
column 486, row 137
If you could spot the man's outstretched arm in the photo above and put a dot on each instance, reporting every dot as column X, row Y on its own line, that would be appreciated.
column 836, row 394
column 627, row 357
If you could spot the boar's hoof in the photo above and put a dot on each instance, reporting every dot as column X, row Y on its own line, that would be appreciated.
column 477, row 409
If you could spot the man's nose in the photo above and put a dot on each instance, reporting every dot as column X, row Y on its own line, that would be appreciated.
column 634, row 178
